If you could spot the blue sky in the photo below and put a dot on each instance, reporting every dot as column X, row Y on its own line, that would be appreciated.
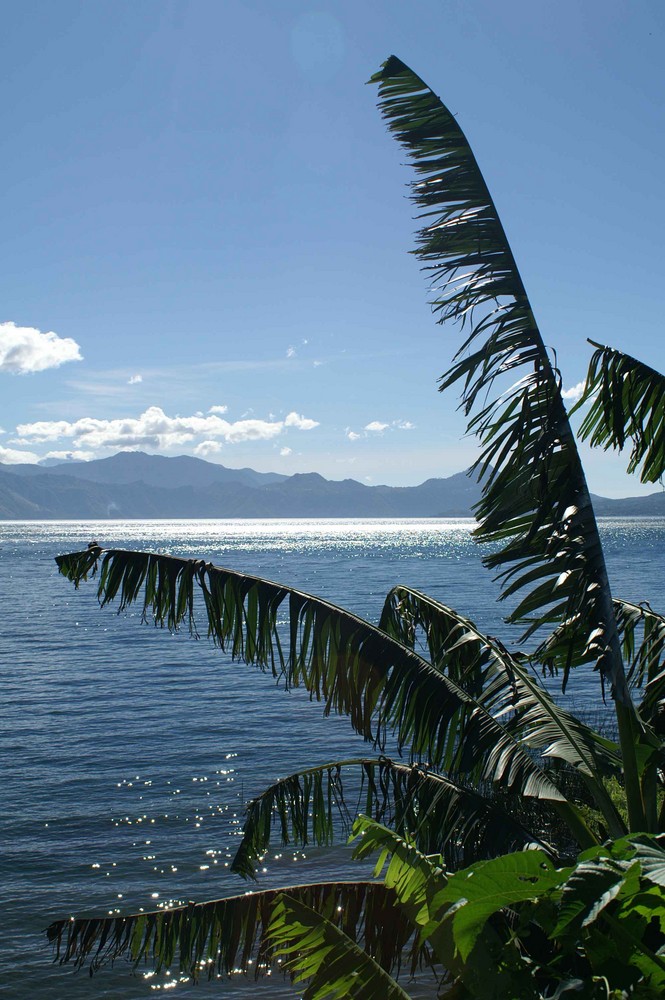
column 202, row 209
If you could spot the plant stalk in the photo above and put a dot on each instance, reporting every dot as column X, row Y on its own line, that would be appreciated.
column 637, row 820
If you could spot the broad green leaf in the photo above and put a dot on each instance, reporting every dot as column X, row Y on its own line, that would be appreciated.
column 416, row 879
column 330, row 961
column 473, row 895
column 590, row 887
column 650, row 853
column 412, row 876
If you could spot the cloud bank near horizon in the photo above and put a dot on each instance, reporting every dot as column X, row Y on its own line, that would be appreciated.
column 206, row 434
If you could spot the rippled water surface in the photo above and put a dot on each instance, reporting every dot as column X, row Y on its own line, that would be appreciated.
column 127, row 753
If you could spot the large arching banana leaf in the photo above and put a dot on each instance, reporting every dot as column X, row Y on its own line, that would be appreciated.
column 225, row 935
column 441, row 816
column 353, row 667
column 535, row 502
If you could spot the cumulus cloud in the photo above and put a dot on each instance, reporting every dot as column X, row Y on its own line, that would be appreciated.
column 317, row 364
column 574, row 393
column 294, row 419
column 352, row 435
column 134, row 379
column 218, row 409
column 10, row 456
column 155, row 429
column 284, row 452
column 291, row 352
column 376, row 427
column 207, row 448
column 404, row 425
column 24, row 349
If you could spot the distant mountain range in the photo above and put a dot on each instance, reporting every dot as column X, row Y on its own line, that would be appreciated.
column 136, row 485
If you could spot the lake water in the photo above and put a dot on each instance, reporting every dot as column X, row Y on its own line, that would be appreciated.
column 127, row 753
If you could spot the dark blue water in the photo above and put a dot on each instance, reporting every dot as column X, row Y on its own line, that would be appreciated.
column 127, row 753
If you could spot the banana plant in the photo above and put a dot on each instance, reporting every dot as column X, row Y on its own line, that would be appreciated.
column 518, row 925
column 482, row 759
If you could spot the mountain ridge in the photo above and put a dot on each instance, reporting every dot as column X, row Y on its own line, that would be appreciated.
column 138, row 485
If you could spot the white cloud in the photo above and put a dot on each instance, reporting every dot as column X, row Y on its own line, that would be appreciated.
column 218, row 409
column 291, row 352
column 575, row 393
column 42, row 430
column 304, row 341
column 23, row 349
column 294, row 419
column 69, row 456
column 251, row 430
column 10, row 456
column 378, row 427
column 207, row 448
column 134, row 379
column 155, row 429
column 317, row 364
column 284, row 452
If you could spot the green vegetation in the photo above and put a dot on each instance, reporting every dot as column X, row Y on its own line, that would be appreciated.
column 491, row 764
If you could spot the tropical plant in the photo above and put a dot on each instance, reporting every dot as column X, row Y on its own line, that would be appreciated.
column 484, row 760
column 517, row 926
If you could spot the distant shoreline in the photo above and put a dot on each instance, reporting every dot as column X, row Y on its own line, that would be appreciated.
column 135, row 486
